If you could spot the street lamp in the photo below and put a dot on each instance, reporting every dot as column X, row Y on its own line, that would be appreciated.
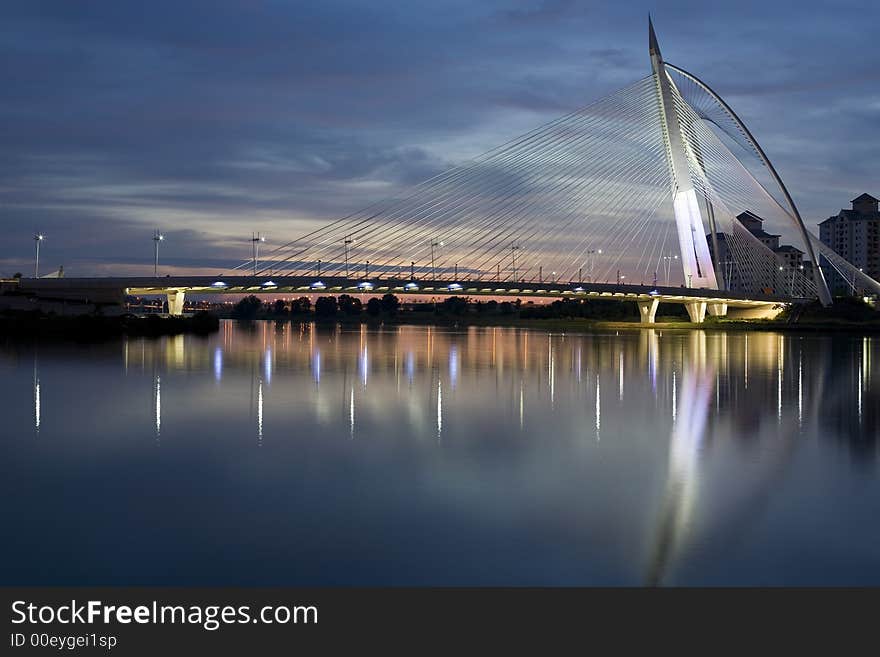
column 591, row 254
column 667, row 262
column 256, row 238
column 348, row 240
column 433, row 270
column 39, row 237
column 157, row 237
column 513, row 249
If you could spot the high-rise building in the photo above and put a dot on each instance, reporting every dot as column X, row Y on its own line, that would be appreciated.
column 855, row 235
column 773, row 272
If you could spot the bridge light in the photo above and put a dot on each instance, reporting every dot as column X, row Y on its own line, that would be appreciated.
column 411, row 287
column 218, row 284
column 365, row 285
column 453, row 287
column 318, row 285
column 270, row 284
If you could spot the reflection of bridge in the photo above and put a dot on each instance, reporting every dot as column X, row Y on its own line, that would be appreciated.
column 613, row 189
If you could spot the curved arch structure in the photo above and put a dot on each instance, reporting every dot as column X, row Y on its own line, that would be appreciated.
column 821, row 285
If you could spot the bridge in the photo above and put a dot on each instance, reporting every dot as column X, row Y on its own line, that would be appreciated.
column 646, row 184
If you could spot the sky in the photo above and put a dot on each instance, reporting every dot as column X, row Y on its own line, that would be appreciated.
column 211, row 119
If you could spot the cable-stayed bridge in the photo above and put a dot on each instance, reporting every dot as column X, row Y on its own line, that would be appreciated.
column 629, row 197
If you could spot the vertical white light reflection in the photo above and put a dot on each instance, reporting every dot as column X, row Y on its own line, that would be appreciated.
column 746, row 362
column 410, row 366
column 521, row 403
column 351, row 414
column 260, row 413
column 453, row 365
column 37, row 404
column 578, row 363
column 267, row 366
column 439, row 408
column 620, row 391
column 674, row 401
column 780, row 362
column 800, row 387
column 598, row 409
column 866, row 362
column 551, row 371
column 218, row 364
column 860, row 396
column 364, row 365
column 158, row 411
column 316, row 366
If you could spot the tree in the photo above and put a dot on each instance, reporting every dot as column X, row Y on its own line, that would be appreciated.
column 280, row 307
column 301, row 305
column 390, row 304
column 374, row 307
column 17, row 275
column 349, row 305
column 247, row 308
column 455, row 305
column 326, row 306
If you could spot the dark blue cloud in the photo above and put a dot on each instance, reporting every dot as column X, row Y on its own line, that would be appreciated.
column 213, row 119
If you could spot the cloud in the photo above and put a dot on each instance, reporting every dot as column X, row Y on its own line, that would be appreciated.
column 227, row 116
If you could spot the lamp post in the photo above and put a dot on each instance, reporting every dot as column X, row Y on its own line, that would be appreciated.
column 591, row 255
column 412, row 270
column 348, row 240
column 433, row 270
column 39, row 237
column 667, row 262
column 256, row 238
column 157, row 237
column 513, row 249
column 367, row 269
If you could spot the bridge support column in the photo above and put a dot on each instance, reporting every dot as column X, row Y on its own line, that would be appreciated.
column 648, row 310
column 175, row 302
column 717, row 309
column 696, row 311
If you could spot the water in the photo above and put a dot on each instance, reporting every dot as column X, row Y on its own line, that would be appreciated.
column 287, row 454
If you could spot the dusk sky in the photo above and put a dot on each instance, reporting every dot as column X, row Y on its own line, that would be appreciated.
column 212, row 119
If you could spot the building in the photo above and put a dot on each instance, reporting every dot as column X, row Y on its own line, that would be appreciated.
column 855, row 235
column 772, row 272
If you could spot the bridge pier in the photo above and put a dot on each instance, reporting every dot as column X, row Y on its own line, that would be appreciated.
column 717, row 309
column 696, row 311
column 175, row 302
column 648, row 310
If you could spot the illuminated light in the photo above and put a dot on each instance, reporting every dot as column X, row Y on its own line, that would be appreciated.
column 364, row 365
column 578, row 289
column 316, row 366
column 260, row 414
column 410, row 287
column 439, row 408
column 410, row 366
column 219, row 284
column 37, row 405
column 218, row 363
column 453, row 286
column 158, row 407
column 269, row 284
column 453, row 365
column 351, row 414
column 267, row 366
column 318, row 285
column 366, row 285
column 598, row 408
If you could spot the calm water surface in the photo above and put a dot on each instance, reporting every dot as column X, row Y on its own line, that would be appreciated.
column 296, row 454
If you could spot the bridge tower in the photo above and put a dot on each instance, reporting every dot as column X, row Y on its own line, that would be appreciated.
column 695, row 259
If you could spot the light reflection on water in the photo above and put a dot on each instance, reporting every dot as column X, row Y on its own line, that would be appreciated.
column 301, row 454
